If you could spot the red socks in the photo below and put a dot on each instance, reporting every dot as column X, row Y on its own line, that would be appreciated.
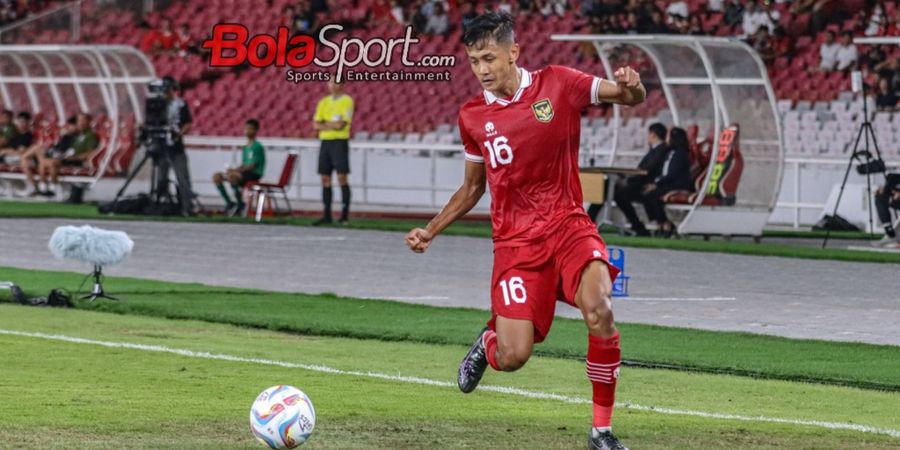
column 490, row 348
column 603, row 358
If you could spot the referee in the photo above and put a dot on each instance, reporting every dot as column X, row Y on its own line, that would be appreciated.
column 332, row 121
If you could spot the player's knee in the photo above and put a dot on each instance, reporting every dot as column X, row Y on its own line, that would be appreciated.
column 599, row 317
column 234, row 179
column 512, row 357
column 218, row 178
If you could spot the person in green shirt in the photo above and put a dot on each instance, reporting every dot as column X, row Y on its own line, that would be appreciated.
column 252, row 168
column 81, row 149
column 7, row 128
column 332, row 120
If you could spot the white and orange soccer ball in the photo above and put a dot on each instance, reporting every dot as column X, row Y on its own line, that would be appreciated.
column 282, row 417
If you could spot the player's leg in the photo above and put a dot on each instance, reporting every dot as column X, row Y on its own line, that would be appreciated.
column 236, row 180
column 624, row 196
column 604, row 355
column 507, row 349
column 342, row 165
column 326, row 166
column 219, row 180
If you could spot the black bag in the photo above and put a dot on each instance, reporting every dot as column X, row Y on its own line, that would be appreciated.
column 56, row 298
column 128, row 205
column 834, row 223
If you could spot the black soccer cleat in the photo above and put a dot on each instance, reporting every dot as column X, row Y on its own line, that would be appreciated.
column 604, row 440
column 473, row 365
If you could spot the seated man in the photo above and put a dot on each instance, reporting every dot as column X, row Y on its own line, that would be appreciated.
column 675, row 176
column 19, row 143
column 888, row 196
column 252, row 168
column 84, row 144
column 7, row 128
column 34, row 161
column 631, row 189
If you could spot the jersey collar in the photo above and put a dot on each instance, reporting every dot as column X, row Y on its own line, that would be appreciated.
column 523, row 83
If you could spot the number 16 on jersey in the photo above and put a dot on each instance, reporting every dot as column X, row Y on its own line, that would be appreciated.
column 513, row 290
column 500, row 151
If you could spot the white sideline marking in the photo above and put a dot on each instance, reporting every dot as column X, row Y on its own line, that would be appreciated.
column 429, row 382
column 298, row 238
column 407, row 299
column 677, row 299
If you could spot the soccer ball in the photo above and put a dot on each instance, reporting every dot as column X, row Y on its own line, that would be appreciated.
column 282, row 417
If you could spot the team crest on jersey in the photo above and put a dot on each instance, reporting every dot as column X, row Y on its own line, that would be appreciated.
column 543, row 110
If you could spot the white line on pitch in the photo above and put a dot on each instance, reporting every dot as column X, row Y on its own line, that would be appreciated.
column 298, row 238
column 423, row 297
column 678, row 299
column 429, row 382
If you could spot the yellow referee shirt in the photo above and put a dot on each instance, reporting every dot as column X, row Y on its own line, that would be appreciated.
column 331, row 109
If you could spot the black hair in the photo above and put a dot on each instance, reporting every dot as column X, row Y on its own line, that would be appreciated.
column 24, row 115
column 487, row 26
column 253, row 123
column 678, row 139
column 71, row 120
column 659, row 130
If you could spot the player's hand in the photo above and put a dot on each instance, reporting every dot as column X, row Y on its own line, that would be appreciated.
column 419, row 239
column 628, row 77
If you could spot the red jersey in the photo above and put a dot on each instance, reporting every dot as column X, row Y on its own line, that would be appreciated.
column 529, row 145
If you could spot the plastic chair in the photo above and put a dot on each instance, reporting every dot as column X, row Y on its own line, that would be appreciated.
column 266, row 192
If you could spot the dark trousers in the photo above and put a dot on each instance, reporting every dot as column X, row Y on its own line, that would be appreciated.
column 182, row 177
column 628, row 193
column 883, row 200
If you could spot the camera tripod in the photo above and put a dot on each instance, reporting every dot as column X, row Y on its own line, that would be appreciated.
column 867, row 164
column 160, row 194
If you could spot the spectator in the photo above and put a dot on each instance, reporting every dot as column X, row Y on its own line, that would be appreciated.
column 166, row 36
column 439, row 22
column 763, row 45
column 20, row 142
column 734, row 12
column 677, row 10
column 34, row 162
column 252, row 168
column 755, row 17
column 305, row 18
column 7, row 127
column 287, row 17
column 548, row 7
column 631, row 189
column 505, row 6
column 877, row 24
column 828, row 53
column 82, row 149
column 782, row 44
column 715, row 6
column 847, row 53
column 885, row 98
column 695, row 26
column 397, row 12
column 184, row 43
column 468, row 13
column 872, row 58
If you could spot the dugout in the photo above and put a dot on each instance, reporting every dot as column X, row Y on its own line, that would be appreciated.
column 710, row 83
column 54, row 82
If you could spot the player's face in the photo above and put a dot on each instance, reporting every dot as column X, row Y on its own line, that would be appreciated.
column 492, row 63
column 249, row 131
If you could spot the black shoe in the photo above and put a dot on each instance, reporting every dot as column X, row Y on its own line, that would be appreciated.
column 604, row 440
column 322, row 221
column 237, row 210
column 473, row 365
column 35, row 193
column 48, row 193
column 228, row 208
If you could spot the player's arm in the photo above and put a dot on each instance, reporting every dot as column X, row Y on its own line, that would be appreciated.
column 627, row 89
column 465, row 198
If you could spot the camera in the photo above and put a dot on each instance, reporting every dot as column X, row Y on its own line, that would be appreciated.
column 156, row 132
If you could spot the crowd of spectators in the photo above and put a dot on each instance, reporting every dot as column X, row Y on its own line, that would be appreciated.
column 165, row 39
column 13, row 10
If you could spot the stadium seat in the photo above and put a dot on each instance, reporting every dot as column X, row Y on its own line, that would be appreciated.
column 263, row 195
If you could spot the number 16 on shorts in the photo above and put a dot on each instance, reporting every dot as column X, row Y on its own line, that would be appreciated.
column 513, row 290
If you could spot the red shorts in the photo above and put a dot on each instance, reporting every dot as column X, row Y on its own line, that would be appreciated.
column 528, row 280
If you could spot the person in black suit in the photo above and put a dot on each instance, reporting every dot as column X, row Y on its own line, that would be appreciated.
column 675, row 175
column 631, row 189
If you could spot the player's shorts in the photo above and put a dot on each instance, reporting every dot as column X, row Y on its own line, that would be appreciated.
column 248, row 176
column 528, row 280
column 334, row 156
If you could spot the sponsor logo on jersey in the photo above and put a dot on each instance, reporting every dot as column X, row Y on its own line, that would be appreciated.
column 543, row 110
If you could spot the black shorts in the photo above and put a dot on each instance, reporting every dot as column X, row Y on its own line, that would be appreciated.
column 72, row 163
column 334, row 155
column 248, row 176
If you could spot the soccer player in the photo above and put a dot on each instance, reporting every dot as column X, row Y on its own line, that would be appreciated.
column 252, row 168
column 521, row 135
column 332, row 120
